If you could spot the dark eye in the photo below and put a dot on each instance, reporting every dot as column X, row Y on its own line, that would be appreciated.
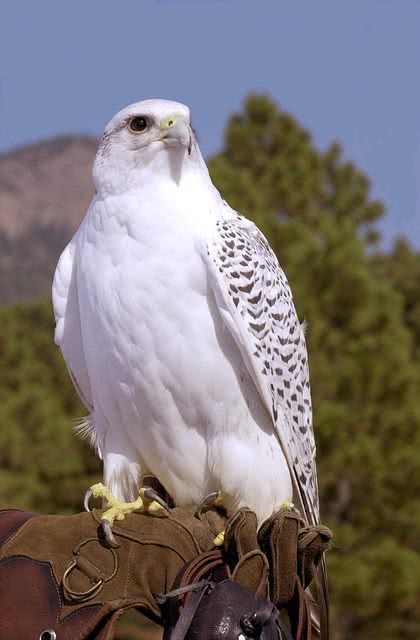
column 138, row 124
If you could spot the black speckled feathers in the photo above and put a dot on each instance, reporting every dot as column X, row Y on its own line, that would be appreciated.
column 252, row 287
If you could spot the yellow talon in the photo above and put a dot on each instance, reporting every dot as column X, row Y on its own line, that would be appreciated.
column 286, row 505
column 99, row 490
column 219, row 500
column 219, row 539
column 116, row 509
column 152, row 506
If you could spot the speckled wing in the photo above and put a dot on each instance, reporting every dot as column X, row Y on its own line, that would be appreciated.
column 255, row 301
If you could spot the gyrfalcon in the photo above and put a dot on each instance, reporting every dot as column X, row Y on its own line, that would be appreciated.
column 179, row 330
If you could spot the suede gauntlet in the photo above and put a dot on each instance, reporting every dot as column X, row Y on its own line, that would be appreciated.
column 57, row 579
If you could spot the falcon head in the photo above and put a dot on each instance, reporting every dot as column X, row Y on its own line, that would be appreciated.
column 141, row 135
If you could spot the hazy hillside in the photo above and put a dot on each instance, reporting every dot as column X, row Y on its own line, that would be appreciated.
column 44, row 191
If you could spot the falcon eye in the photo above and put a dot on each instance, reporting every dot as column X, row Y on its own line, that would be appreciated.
column 138, row 124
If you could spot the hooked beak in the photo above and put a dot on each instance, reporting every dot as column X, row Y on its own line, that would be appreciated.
column 176, row 130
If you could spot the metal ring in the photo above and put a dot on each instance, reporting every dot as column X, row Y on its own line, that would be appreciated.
column 71, row 594
column 48, row 634
column 80, row 596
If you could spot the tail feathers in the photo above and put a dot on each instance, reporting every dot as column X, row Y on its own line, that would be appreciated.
column 319, row 607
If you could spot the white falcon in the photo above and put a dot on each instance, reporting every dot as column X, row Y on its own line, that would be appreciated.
column 179, row 330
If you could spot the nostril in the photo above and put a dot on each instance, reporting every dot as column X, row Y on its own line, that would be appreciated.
column 170, row 123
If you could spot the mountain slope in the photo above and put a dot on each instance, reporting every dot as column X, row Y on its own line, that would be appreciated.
column 45, row 189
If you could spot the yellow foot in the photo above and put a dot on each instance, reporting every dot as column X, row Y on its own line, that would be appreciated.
column 116, row 509
column 219, row 539
column 286, row 505
column 219, row 502
column 219, row 499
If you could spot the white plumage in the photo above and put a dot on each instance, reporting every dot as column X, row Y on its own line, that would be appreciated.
column 178, row 327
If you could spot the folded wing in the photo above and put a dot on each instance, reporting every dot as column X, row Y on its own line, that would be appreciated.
column 255, row 301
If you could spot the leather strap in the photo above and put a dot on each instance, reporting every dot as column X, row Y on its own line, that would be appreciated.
column 187, row 613
column 96, row 575
column 284, row 631
column 179, row 605
column 300, row 614
column 201, row 566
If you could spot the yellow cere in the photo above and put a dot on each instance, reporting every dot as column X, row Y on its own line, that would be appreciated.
column 171, row 120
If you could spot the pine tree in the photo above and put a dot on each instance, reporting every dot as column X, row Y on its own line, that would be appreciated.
column 317, row 213
column 43, row 466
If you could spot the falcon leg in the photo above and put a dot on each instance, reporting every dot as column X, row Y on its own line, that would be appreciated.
column 123, row 475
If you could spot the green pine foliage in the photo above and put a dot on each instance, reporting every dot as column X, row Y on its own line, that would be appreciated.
column 363, row 330
column 42, row 465
column 363, row 320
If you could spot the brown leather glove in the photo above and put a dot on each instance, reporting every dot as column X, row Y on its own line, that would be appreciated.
column 278, row 538
column 312, row 543
column 247, row 563
column 56, row 577
column 294, row 552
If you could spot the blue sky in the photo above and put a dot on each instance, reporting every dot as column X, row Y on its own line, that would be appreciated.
column 348, row 70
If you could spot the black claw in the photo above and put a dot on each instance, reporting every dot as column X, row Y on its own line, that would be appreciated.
column 153, row 496
column 108, row 535
column 86, row 500
column 207, row 502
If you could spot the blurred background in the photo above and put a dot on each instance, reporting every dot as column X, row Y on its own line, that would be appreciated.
column 309, row 116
